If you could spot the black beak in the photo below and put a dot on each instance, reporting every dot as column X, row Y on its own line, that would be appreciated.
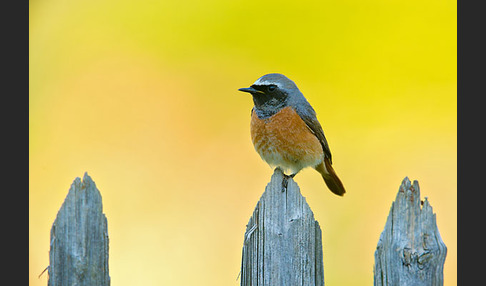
column 251, row 90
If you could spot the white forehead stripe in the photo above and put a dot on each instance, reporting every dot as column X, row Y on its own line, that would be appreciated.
column 261, row 81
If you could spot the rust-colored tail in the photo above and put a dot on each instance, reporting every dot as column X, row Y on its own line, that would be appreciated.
column 330, row 177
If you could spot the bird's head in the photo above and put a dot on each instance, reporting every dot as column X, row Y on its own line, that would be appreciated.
column 271, row 92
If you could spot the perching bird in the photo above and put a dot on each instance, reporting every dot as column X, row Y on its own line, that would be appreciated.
column 285, row 130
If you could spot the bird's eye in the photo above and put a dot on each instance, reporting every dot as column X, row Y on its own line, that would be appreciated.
column 272, row 88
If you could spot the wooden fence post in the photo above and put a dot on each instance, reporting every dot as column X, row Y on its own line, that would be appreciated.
column 79, row 239
column 282, row 243
column 410, row 250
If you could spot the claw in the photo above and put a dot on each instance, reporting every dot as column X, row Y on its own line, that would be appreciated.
column 285, row 183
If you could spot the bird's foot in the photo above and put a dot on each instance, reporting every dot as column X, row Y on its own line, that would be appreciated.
column 285, row 181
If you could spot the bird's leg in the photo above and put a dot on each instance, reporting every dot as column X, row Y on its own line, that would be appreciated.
column 285, row 182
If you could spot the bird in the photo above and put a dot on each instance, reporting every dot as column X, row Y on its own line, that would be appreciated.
column 285, row 131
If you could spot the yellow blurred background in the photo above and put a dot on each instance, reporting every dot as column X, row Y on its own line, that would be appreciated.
column 143, row 96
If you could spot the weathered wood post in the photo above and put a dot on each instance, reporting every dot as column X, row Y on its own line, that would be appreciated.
column 79, row 239
column 410, row 250
column 282, row 243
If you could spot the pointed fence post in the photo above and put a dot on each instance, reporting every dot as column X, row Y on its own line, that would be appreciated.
column 410, row 250
column 79, row 239
column 282, row 243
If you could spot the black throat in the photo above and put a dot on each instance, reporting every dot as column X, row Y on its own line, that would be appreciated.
column 267, row 108
column 270, row 102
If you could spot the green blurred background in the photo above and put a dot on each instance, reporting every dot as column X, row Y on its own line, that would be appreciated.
column 143, row 96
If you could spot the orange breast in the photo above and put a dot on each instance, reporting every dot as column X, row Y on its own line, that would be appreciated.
column 284, row 140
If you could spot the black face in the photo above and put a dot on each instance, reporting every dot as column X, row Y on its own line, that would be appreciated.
column 268, row 95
